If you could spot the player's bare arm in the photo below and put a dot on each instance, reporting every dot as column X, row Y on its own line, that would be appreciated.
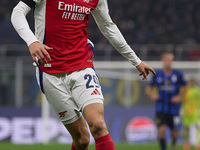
column 152, row 95
column 177, row 98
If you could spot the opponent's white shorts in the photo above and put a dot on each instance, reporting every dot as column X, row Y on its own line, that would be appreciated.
column 69, row 94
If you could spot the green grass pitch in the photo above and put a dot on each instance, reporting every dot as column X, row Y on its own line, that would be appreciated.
column 120, row 146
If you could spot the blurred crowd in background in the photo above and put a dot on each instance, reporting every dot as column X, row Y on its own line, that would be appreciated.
column 141, row 21
column 157, row 21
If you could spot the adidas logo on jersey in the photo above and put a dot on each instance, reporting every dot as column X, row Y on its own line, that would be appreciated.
column 96, row 92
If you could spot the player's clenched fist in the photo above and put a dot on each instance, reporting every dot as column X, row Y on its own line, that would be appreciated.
column 39, row 51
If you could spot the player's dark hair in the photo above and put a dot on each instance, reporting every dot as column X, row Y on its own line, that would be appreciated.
column 167, row 52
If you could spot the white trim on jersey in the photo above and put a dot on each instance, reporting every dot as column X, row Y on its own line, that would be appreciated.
column 39, row 16
column 18, row 19
column 112, row 33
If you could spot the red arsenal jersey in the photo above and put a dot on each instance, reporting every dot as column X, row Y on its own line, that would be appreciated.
column 65, row 30
column 62, row 25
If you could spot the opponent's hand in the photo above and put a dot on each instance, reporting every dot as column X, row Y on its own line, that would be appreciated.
column 144, row 70
column 154, row 97
column 176, row 99
column 39, row 50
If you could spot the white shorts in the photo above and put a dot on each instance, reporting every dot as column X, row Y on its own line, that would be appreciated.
column 69, row 94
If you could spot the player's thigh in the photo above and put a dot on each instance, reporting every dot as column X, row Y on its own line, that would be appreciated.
column 86, row 88
column 78, row 129
column 94, row 114
column 58, row 96
column 175, row 134
column 162, row 131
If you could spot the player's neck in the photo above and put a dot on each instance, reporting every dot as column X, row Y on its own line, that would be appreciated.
column 167, row 71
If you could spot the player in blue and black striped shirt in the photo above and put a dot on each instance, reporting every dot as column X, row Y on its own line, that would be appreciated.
column 168, row 82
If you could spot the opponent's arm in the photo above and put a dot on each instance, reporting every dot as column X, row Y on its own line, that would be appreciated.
column 112, row 33
column 177, row 98
column 150, row 93
column 18, row 19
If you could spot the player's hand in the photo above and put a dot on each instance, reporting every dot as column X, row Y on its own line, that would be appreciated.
column 144, row 70
column 176, row 99
column 40, row 51
column 154, row 97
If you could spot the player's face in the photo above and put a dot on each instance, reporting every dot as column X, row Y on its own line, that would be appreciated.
column 167, row 60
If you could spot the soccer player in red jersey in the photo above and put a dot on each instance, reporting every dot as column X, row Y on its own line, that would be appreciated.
column 65, row 72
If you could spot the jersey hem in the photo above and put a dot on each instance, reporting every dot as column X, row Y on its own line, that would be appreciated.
column 65, row 70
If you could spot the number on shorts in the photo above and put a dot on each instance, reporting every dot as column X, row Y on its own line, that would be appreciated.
column 96, row 81
column 89, row 78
